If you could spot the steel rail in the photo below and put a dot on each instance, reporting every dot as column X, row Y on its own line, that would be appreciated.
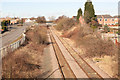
column 60, row 63
column 80, row 58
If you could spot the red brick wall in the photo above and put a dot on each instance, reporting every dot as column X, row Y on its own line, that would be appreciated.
column 108, row 22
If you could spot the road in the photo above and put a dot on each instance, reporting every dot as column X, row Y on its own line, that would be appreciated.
column 7, row 38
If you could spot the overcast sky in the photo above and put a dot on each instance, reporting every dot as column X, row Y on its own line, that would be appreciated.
column 29, row 8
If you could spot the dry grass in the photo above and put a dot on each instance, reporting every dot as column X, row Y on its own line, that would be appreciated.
column 26, row 61
column 93, row 46
column 23, row 63
column 38, row 35
column 92, row 42
column 65, row 24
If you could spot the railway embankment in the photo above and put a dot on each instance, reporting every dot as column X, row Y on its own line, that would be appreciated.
column 26, row 61
column 90, row 45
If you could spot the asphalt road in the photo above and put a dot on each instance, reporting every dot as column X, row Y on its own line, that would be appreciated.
column 7, row 38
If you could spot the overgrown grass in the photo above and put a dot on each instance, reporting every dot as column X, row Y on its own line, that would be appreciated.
column 26, row 61
column 92, row 42
column 38, row 35
column 65, row 24
column 94, row 46
column 88, row 39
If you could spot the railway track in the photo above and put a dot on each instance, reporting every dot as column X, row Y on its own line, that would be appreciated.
column 64, row 67
column 89, row 71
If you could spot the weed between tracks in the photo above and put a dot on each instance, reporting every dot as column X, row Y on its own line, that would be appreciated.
column 26, row 61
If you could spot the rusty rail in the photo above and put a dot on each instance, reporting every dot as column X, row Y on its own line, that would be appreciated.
column 90, row 72
column 65, row 69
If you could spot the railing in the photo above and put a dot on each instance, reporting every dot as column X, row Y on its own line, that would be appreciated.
column 11, row 47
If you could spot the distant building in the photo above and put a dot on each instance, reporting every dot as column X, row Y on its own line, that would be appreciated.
column 107, row 20
column 7, row 18
column 23, row 19
column 14, row 21
column 112, row 22
column 74, row 18
column 28, row 20
column 81, row 19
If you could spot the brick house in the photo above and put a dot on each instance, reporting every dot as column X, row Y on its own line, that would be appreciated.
column 102, row 19
column 107, row 20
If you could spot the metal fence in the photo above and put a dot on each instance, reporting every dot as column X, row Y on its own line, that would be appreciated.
column 11, row 47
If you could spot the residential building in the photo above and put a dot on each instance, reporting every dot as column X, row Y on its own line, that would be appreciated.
column 14, row 21
column 28, row 20
column 112, row 22
column 74, row 18
column 81, row 19
column 107, row 20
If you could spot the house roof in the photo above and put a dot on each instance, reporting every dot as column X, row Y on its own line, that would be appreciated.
column 74, row 17
column 105, row 16
column 99, row 16
column 115, row 16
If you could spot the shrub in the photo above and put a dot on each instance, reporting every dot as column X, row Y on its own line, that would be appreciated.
column 65, row 24
column 38, row 35
column 106, row 29
column 41, row 19
column 91, row 42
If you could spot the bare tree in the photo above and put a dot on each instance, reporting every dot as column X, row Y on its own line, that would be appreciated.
column 41, row 19
column 51, row 18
